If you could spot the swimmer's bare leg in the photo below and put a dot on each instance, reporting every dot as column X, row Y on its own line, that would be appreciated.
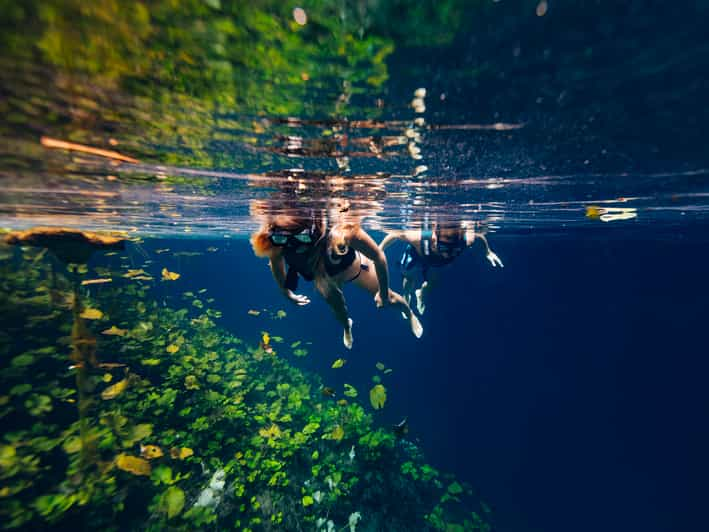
column 400, row 303
column 336, row 299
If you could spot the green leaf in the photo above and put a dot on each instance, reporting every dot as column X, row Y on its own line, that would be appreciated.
column 378, row 396
column 455, row 489
column 172, row 501
column 307, row 500
column 72, row 445
column 162, row 475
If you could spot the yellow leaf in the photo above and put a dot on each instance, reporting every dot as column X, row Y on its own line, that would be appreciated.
column 96, row 281
column 169, row 276
column 593, row 212
column 172, row 348
column 271, row 432
column 133, row 464
column 337, row 433
column 378, row 396
column 114, row 331
column 135, row 273
column 107, row 377
column 92, row 314
column 115, row 389
column 338, row 363
column 266, row 339
column 181, row 453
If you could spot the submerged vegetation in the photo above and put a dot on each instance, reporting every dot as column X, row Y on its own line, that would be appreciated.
column 122, row 413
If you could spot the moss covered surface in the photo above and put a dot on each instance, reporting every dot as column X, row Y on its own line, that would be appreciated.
column 141, row 416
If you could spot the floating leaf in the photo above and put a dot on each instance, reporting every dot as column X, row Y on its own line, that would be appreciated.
column 172, row 501
column 180, row 453
column 142, row 431
column 337, row 433
column 25, row 359
column 172, row 348
column 338, row 363
column 169, row 276
column 273, row 432
column 38, row 404
column 107, row 377
column 162, row 474
column 265, row 339
column 72, row 445
column 378, row 396
column 376, row 379
column 350, row 391
column 254, row 312
column 191, row 382
column 96, row 281
column 295, row 344
column 455, row 489
column 150, row 361
column 114, row 331
column 380, row 366
column 115, row 389
column 133, row 464
column 308, row 500
column 388, row 371
column 135, row 273
column 310, row 428
column 92, row 314
column 281, row 314
column 150, row 452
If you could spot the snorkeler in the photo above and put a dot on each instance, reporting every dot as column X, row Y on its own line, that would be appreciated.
column 434, row 248
column 304, row 247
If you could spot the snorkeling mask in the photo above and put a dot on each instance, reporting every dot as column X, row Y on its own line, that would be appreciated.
column 305, row 237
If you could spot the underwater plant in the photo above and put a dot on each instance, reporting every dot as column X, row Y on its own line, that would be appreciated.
column 183, row 426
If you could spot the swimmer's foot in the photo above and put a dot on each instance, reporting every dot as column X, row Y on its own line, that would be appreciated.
column 416, row 326
column 347, row 335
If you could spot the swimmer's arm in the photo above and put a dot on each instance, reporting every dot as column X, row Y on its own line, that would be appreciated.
column 365, row 244
column 410, row 237
column 470, row 238
column 278, row 270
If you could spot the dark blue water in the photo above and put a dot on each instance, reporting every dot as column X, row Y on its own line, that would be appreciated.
column 568, row 387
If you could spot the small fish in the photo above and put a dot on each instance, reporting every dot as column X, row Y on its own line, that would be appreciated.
column 328, row 392
column 401, row 428
column 150, row 451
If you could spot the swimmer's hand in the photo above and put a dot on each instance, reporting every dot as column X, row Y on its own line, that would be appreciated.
column 298, row 299
column 494, row 259
column 389, row 301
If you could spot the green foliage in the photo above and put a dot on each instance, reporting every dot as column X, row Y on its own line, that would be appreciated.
column 137, row 459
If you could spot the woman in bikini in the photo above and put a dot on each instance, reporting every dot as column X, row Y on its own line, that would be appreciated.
column 434, row 248
column 303, row 246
